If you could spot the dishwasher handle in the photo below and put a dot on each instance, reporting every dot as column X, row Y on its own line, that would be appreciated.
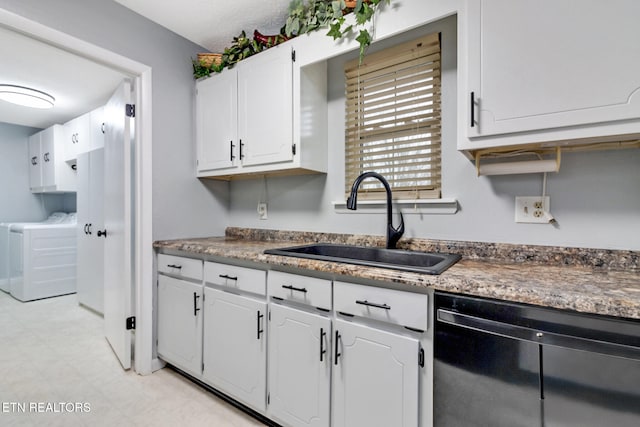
column 523, row 333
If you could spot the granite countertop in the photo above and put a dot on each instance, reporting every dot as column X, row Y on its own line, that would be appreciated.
column 594, row 281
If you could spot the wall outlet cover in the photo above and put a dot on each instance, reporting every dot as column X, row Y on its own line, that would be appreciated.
column 262, row 210
column 533, row 210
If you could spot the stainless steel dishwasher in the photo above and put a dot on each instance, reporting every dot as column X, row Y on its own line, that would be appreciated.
column 503, row 364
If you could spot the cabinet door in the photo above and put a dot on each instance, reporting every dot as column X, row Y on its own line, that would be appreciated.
column 375, row 377
column 216, row 121
column 96, row 139
column 48, row 158
column 547, row 64
column 299, row 367
column 77, row 135
column 83, row 209
column 265, row 107
column 180, row 323
column 35, row 161
column 235, row 346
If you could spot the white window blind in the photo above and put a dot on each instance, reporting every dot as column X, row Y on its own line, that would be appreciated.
column 393, row 120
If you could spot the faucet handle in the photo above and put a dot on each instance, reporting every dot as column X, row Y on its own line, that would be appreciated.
column 394, row 234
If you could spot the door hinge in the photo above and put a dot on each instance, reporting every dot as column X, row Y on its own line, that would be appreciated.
column 269, row 315
column 131, row 323
column 268, row 398
column 130, row 110
column 421, row 358
column 202, row 366
column 293, row 55
column 293, row 149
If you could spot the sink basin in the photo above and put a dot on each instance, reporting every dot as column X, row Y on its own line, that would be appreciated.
column 398, row 259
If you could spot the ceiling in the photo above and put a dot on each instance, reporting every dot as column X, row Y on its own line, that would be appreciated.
column 213, row 23
column 78, row 85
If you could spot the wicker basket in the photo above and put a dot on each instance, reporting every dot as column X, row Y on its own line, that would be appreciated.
column 209, row 59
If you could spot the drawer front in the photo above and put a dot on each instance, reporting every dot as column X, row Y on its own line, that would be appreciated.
column 179, row 266
column 231, row 276
column 307, row 290
column 388, row 305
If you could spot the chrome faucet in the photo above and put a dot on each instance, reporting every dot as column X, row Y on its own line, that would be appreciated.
column 393, row 234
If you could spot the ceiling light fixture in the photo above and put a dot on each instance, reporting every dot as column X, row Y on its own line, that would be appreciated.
column 26, row 96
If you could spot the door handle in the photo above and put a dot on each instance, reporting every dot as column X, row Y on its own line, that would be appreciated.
column 473, row 109
column 102, row 233
column 34, row 160
column 232, row 146
column 102, row 127
column 85, row 229
column 195, row 304
column 323, row 350
column 89, row 229
column 259, row 317
column 336, row 354
column 241, row 147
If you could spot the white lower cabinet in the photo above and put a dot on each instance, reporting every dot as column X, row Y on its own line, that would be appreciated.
column 375, row 377
column 180, row 323
column 235, row 346
column 299, row 367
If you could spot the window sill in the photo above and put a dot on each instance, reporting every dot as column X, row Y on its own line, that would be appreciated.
column 407, row 207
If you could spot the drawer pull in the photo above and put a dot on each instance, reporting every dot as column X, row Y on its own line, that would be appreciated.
column 294, row 288
column 225, row 276
column 323, row 350
column 371, row 304
column 179, row 267
column 259, row 317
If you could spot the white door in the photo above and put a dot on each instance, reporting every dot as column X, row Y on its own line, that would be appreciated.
column 118, row 224
column 180, row 323
column 265, row 107
column 96, row 208
column 35, row 167
column 375, row 378
column 299, row 367
column 216, row 121
column 235, row 346
column 83, row 209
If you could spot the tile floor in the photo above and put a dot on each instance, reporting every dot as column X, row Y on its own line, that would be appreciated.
column 54, row 351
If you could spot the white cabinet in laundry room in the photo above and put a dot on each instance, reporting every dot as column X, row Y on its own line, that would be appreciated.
column 90, row 208
column 48, row 170
column 77, row 136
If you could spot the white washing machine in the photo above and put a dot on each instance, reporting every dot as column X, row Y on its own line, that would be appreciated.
column 42, row 258
column 5, row 228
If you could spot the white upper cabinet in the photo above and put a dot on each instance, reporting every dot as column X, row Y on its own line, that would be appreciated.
column 48, row 170
column 265, row 107
column 249, row 118
column 549, row 66
column 216, row 122
column 77, row 136
column 96, row 137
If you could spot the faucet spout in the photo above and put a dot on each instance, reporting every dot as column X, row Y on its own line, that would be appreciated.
column 393, row 234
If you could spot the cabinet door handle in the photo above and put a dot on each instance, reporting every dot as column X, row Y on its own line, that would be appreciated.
column 89, row 229
column 102, row 127
column 102, row 233
column 174, row 266
column 34, row 160
column 85, row 229
column 46, row 156
column 294, row 288
column 231, row 147
column 336, row 354
column 371, row 304
column 225, row 276
column 241, row 147
column 323, row 350
column 473, row 109
column 258, row 318
column 195, row 304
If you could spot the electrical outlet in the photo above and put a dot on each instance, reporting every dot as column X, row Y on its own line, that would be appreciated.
column 533, row 209
column 262, row 210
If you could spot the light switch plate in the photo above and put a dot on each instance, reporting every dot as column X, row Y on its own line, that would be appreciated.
column 262, row 210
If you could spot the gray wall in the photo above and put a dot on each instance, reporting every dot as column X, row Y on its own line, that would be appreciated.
column 17, row 203
column 182, row 205
column 595, row 197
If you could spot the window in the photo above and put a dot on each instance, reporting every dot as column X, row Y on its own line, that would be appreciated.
column 393, row 120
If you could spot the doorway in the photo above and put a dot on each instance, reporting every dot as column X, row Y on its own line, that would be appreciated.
column 139, row 179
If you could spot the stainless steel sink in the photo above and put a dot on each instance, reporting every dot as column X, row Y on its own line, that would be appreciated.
column 420, row 262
